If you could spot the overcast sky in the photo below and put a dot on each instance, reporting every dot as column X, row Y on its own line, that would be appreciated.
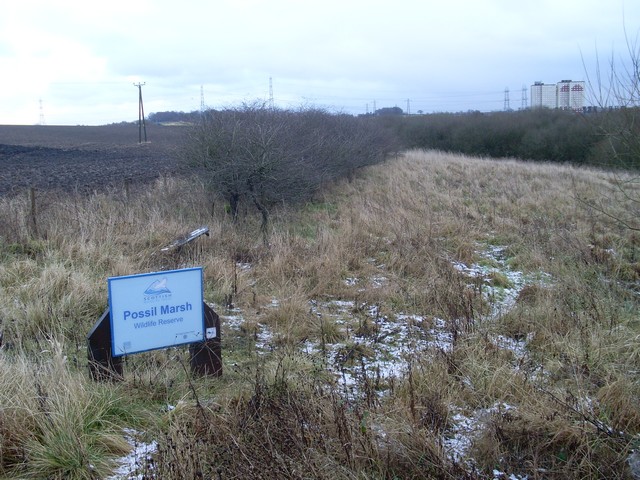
column 76, row 61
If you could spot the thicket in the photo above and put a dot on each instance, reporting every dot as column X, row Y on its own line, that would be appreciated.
column 259, row 156
column 174, row 117
column 244, row 150
column 618, row 133
column 542, row 134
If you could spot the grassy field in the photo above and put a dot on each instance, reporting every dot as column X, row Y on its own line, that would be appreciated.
column 437, row 316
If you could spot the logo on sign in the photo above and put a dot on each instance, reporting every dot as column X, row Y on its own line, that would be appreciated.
column 158, row 290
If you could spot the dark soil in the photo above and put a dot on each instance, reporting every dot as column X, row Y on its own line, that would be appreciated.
column 86, row 159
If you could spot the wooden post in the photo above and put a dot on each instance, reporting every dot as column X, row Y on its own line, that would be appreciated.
column 127, row 192
column 32, row 214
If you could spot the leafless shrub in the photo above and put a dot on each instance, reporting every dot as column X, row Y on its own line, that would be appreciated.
column 264, row 157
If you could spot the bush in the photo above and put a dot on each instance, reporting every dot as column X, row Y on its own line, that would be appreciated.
column 263, row 157
column 546, row 135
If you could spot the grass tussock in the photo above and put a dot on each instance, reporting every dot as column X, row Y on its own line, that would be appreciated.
column 505, row 301
column 55, row 425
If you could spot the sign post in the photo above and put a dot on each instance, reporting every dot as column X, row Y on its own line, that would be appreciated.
column 152, row 311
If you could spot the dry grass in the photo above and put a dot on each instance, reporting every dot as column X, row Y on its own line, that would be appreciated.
column 563, row 406
column 53, row 424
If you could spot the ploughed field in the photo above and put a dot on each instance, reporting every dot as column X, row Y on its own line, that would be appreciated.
column 85, row 158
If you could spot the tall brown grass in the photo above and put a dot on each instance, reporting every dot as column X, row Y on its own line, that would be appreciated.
column 566, row 408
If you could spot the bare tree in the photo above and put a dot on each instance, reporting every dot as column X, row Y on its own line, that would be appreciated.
column 215, row 148
column 615, row 92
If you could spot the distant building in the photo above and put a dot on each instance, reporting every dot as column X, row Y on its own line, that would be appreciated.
column 543, row 95
column 565, row 95
column 570, row 95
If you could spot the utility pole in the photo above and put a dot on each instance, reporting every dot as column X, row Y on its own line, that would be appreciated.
column 141, row 124
column 506, row 100
column 408, row 107
column 201, row 99
column 524, row 97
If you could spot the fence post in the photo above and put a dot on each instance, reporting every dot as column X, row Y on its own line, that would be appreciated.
column 127, row 191
column 32, row 212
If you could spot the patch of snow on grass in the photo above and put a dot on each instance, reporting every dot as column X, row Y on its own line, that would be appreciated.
column 232, row 321
column 498, row 475
column 517, row 347
column 379, row 351
column 243, row 266
column 457, row 442
column 501, row 284
column 343, row 306
column 264, row 339
column 465, row 429
column 132, row 465
column 381, row 347
column 441, row 339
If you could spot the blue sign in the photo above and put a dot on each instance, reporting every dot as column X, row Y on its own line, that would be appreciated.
column 155, row 310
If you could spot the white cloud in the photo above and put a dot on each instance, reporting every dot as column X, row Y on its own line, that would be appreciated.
column 81, row 57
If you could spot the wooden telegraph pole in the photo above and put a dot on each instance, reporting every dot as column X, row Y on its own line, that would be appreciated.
column 141, row 124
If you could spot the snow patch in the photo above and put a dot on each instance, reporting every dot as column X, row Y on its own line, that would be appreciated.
column 132, row 466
